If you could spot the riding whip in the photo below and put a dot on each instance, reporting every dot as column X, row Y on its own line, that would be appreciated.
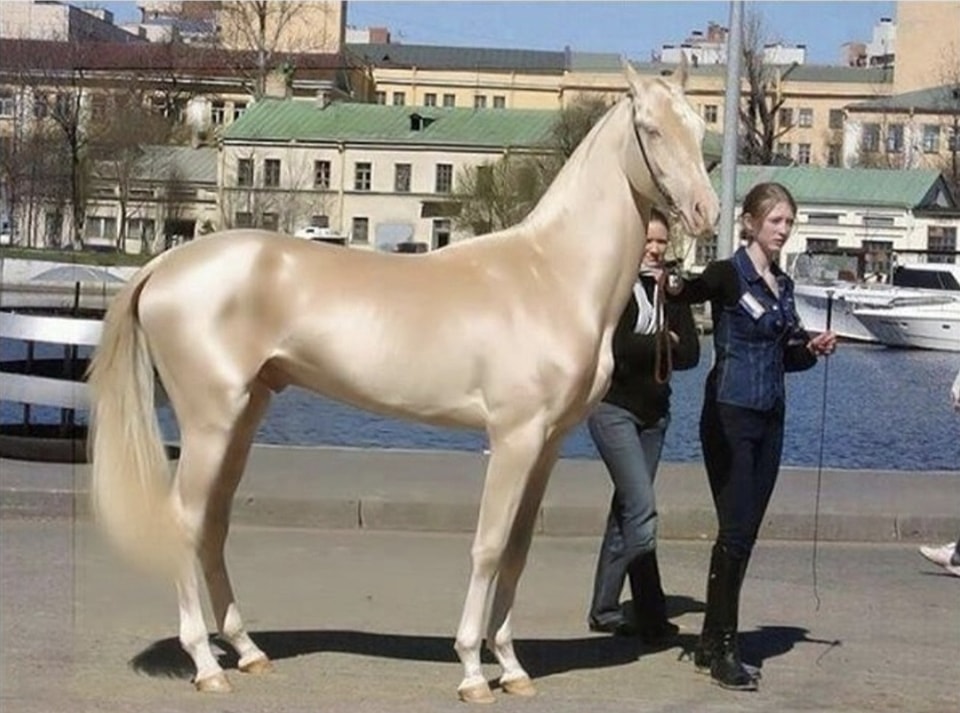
column 823, row 421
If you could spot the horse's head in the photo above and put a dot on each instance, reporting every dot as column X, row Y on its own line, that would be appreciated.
column 669, row 137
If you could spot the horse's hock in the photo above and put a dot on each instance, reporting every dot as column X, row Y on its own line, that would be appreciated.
column 43, row 358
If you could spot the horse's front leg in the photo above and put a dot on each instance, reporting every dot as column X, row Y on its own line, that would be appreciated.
column 515, row 679
column 513, row 456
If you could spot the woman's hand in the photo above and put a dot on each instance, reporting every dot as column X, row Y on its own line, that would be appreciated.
column 823, row 344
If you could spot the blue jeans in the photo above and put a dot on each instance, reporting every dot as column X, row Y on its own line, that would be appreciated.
column 631, row 452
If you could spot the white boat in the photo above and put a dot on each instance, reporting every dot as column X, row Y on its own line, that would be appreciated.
column 910, row 284
column 935, row 325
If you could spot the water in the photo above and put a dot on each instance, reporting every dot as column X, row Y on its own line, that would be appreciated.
column 886, row 409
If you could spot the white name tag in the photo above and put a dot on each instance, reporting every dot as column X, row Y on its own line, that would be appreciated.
column 752, row 305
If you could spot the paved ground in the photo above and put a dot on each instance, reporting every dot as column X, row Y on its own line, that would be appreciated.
column 351, row 567
column 363, row 621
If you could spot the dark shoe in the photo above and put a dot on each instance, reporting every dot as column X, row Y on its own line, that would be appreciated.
column 727, row 670
column 618, row 627
column 705, row 652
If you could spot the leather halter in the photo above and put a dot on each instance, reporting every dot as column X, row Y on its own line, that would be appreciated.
column 646, row 160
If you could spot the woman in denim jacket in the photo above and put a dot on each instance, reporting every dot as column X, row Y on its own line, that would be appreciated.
column 653, row 337
column 757, row 338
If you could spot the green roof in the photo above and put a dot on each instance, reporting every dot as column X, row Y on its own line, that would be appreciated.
column 875, row 187
column 934, row 100
column 289, row 120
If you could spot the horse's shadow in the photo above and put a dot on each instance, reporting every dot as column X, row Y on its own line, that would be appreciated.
column 541, row 657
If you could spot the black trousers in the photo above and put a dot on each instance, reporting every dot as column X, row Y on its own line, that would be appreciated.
column 741, row 451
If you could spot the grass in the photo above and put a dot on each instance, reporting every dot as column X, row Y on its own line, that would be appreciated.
column 81, row 257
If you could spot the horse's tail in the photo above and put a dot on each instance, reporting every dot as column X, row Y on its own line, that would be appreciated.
column 131, row 483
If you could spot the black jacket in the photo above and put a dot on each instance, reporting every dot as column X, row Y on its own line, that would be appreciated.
column 634, row 386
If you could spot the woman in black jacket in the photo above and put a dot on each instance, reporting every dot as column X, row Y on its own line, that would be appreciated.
column 652, row 337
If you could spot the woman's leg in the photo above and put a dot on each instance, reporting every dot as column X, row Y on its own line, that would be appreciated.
column 631, row 526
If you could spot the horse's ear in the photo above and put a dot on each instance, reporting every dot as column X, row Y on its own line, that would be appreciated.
column 682, row 71
column 633, row 77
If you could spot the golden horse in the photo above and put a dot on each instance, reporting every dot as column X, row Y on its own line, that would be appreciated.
column 508, row 332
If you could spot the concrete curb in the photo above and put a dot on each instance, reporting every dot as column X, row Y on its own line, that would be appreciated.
column 435, row 491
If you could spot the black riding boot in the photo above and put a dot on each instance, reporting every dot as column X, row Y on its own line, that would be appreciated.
column 649, row 602
column 718, row 648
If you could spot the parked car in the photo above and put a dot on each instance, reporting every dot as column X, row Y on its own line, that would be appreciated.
column 324, row 235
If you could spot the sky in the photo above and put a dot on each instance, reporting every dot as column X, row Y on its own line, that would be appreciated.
column 630, row 28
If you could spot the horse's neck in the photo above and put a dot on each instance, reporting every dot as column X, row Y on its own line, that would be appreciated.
column 589, row 220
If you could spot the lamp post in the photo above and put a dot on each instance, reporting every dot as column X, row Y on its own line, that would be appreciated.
column 731, row 122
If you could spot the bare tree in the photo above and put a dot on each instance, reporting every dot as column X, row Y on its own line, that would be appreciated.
column 759, row 114
column 497, row 194
column 117, row 137
column 269, row 29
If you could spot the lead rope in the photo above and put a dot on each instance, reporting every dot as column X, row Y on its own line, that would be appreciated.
column 663, row 358
column 823, row 423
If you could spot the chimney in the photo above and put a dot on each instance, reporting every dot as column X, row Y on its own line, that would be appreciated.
column 323, row 98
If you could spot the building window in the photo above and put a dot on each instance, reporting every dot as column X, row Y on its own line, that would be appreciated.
column 441, row 232
column 836, row 119
column 444, row 182
column 803, row 154
column 245, row 172
column 271, row 173
column 819, row 245
column 238, row 109
column 449, row 100
column 270, row 221
column 870, row 140
column 878, row 221
column 953, row 139
column 895, row 138
column 98, row 107
column 399, row 98
column 710, row 113
column 40, row 108
column 785, row 149
column 499, row 102
column 97, row 226
column 401, row 177
column 480, row 102
column 321, row 175
column 381, row 97
column 942, row 239
column 931, row 138
column 360, row 230
column 362, row 176
column 218, row 111
column 786, row 117
column 805, row 117
column 706, row 250
column 877, row 254
column 834, row 154
column 141, row 229
column 7, row 103
column 429, row 99
column 823, row 219
column 243, row 219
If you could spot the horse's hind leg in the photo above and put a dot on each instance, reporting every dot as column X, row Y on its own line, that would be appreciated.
column 513, row 457
column 207, row 430
column 216, row 526
column 500, row 632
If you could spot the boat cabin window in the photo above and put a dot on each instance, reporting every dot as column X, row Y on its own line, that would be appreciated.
column 905, row 276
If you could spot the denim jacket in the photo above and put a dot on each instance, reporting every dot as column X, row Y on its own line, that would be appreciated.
column 757, row 335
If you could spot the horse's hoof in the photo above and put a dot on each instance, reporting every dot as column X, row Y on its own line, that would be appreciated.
column 258, row 666
column 519, row 687
column 217, row 683
column 477, row 693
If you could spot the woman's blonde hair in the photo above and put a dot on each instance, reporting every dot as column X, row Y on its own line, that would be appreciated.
column 761, row 199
